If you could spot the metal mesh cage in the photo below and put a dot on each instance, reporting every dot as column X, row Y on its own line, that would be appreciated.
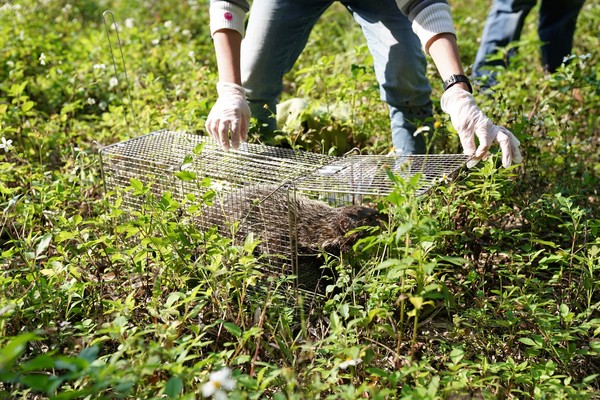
column 292, row 201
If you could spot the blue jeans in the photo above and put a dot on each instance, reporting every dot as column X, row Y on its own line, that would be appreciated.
column 278, row 31
column 505, row 23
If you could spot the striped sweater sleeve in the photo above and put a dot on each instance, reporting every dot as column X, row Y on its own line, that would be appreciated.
column 428, row 17
column 228, row 15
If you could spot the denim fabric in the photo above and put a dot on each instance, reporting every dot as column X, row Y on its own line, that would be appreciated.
column 278, row 31
column 505, row 23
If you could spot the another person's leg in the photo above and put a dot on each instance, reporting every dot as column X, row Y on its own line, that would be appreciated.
column 556, row 29
column 400, row 68
column 276, row 34
column 503, row 26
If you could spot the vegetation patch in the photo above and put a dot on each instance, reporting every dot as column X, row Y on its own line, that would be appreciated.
column 486, row 287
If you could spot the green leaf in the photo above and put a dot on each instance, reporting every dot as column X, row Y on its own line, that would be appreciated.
column 590, row 378
column 198, row 149
column 377, row 372
column 564, row 309
column 14, row 349
column 39, row 382
column 90, row 354
column 459, row 261
column 187, row 160
column 544, row 242
column 136, row 184
column 17, row 88
column 28, row 105
column 456, row 355
column 233, row 329
column 39, row 363
column 186, row 176
column 174, row 387
column 433, row 386
column 173, row 297
column 416, row 301
column 64, row 235
column 72, row 364
column 403, row 229
column 43, row 244
column 124, row 387
column 529, row 342
column 390, row 262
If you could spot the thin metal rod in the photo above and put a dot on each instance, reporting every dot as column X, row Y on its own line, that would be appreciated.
column 127, row 85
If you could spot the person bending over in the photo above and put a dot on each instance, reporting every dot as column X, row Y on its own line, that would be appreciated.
column 430, row 20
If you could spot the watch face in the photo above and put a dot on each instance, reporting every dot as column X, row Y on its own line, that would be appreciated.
column 450, row 81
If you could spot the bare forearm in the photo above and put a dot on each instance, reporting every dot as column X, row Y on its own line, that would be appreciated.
column 227, row 44
column 227, row 30
column 444, row 52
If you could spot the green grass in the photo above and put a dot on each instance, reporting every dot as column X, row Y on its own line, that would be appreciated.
column 488, row 287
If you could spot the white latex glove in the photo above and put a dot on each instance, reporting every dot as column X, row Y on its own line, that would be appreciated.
column 229, row 116
column 469, row 121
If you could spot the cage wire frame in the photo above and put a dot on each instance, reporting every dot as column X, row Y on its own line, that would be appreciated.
column 245, row 178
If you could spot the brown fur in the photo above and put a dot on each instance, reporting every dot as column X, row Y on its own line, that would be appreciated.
column 270, row 213
column 284, row 220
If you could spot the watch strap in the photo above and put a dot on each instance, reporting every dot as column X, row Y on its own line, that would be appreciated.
column 454, row 79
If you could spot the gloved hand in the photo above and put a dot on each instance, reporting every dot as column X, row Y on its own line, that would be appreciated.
column 469, row 121
column 229, row 115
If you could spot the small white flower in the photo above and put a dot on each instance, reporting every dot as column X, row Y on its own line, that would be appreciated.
column 218, row 383
column 99, row 66
column 186, row 33
column 155, row 41
column 42, row 59
column 112, row 82
column 217, row 186
column 420, row 129
column 10, row 64
column 91, row 101
column 168, row 24
column 102, row 105
column 192, row 54
column 129, row 23
column 187, row 167
column 5, row 144
column 350, row 362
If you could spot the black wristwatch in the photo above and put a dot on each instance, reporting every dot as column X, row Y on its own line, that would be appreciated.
column 454, row 79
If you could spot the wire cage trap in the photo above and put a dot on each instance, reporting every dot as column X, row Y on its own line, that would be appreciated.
column 297, row 204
